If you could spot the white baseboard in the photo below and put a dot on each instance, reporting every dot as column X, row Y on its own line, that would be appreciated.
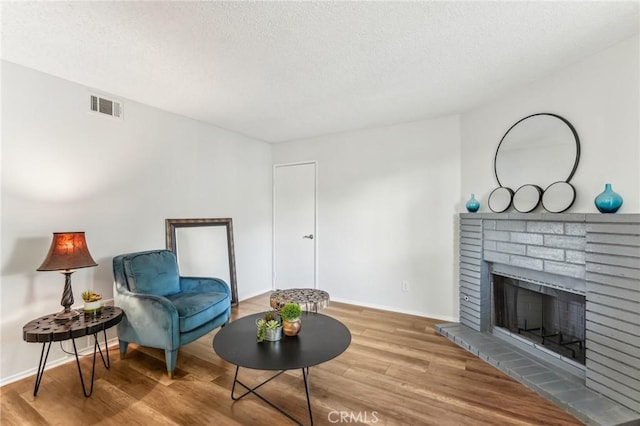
column 259, row 293
column 401, row 311
column 374, row 306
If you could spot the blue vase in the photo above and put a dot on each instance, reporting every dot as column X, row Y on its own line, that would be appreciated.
column 473, row 205
column 608, row 201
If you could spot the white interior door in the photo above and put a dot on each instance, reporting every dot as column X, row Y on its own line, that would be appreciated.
column 294, row 226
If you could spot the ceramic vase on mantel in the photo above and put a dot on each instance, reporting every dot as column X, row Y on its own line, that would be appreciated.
column 473, row 205
column 608, row 201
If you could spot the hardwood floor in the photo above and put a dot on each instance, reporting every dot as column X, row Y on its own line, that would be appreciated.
column 397, row 371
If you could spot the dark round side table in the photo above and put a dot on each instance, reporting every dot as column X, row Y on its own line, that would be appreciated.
column 47, row 330
column 321, row 339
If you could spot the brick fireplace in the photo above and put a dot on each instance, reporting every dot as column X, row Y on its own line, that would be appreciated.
column 592, row 257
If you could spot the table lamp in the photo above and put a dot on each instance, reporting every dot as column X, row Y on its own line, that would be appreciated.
column 68, row 252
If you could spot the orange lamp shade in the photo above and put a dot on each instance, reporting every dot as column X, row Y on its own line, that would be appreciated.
column 68, row 251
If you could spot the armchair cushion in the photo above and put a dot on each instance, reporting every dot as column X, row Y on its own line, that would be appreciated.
column 153, row 273
column 204, row 285
column 196, row 309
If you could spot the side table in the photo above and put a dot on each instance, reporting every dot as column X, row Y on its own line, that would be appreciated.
column 47, row 330
column 305, row 297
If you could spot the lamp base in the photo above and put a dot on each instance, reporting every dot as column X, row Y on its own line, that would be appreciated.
column 66, row 315
column 67, row 299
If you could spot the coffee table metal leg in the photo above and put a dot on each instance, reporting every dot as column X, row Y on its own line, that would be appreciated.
column 305, row 376
column 249, row 390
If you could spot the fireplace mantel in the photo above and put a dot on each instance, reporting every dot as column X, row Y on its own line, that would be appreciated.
column 597, row 255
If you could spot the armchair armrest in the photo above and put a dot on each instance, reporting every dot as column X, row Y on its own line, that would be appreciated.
column 149, row 320
column 204, row 285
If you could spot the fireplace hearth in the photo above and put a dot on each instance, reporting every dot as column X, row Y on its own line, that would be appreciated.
column 554, row 301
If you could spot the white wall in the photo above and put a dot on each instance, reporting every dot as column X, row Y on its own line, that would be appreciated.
column 600, row 97
column 387, row 202
column 66, row 169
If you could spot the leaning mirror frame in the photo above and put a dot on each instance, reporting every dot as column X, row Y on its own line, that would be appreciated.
column 171, row 242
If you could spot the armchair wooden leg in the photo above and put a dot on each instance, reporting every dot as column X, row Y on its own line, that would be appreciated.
column 171, row 357
column 123, row 348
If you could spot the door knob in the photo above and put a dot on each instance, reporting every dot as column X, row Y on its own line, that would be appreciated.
column 310, row 236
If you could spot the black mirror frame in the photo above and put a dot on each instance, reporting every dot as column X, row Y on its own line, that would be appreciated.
column 496, row 191
column 170, row 236
column 573, row 130
column 566, row 206
column 522, row 188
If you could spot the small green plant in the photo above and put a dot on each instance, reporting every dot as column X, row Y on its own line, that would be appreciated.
column 90, row 296
column 269, row 316
column 269, row 322
column 273, row 325
column 262, row 329
column 290, row 311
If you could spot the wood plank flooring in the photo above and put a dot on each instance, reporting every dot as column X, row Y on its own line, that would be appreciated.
column 397, row 371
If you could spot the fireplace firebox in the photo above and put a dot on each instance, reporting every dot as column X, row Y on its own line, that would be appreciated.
column 547, row 316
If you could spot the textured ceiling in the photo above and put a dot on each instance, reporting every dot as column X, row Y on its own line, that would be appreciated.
column 282, row 71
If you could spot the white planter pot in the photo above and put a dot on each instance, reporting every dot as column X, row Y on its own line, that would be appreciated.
column 92, row 307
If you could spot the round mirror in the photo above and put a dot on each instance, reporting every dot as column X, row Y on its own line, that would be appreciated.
column 558, row 197
column 500, row 199
column 538, row 150
column 527, row 198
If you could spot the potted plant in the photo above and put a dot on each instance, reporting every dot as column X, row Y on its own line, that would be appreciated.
column 92, row 302
column 269, row 328
column 291, row 323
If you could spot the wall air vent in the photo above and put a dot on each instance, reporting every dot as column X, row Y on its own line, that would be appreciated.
column 105, row 106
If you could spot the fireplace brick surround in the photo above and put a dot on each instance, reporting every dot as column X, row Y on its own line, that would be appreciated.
column 596, row 255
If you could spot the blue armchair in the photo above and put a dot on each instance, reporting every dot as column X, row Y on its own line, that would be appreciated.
column 162, row 309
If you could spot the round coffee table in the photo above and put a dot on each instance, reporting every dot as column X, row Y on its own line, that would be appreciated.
column 321, row 339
